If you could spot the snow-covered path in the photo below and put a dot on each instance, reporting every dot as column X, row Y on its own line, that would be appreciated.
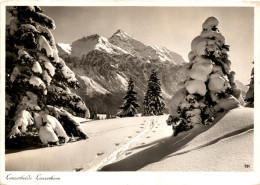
column 108, row 139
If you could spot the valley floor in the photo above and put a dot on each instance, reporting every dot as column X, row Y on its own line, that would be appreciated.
column 146, row 144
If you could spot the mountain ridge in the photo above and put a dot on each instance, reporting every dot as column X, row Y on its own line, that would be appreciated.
column 103, row 67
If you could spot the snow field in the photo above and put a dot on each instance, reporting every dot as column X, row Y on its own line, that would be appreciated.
column 235, row 121
column 230, row 154
column 115, row 154
column 158, row 131
column 132, row 144
column 226, row 145
column 105, row 137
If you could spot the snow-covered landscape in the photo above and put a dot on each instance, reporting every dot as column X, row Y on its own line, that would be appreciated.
column 146, row 144
column 112, row 100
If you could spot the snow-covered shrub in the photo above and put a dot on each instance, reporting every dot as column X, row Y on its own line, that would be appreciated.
column 209, row 86
column 34, row 72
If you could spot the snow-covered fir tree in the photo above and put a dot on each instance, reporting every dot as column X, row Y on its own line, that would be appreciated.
column 130, row 105
column 38, row 80
column 209, row 86
column 153, row 100
column 249, row 98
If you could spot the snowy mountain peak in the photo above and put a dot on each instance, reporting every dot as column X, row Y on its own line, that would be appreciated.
column 121, row 34
column 140, row 50
column 95, row 38
column 94, row 42
column 65, row 47
column 119, row 31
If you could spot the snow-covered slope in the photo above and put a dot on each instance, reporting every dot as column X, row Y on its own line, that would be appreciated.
column 64, row 50
column 93, row 87
column 137, row 48
column 84, row 45
column 146, row 144
column 111, row 62
column 65, row 47
column 227, row 145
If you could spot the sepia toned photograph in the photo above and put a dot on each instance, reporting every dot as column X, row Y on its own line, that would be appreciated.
column 126, row 89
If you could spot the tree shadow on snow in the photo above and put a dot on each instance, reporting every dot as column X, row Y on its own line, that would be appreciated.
column 158, row 149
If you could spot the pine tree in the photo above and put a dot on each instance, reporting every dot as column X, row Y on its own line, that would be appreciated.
column 153, row 101
column 250, row 93
column 37, row 80
column 130, row 106
column 209, row 86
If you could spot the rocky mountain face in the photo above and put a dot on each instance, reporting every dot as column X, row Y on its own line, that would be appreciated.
column 242, row 87
column 104, row 66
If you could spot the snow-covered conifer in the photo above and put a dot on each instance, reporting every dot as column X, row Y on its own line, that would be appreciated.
column 209, row 86
column 130, row 106
column 153, row 101
column 37, row 78
column 250, row 93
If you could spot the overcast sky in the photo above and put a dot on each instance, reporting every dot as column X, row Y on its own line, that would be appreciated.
column 172, row 27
